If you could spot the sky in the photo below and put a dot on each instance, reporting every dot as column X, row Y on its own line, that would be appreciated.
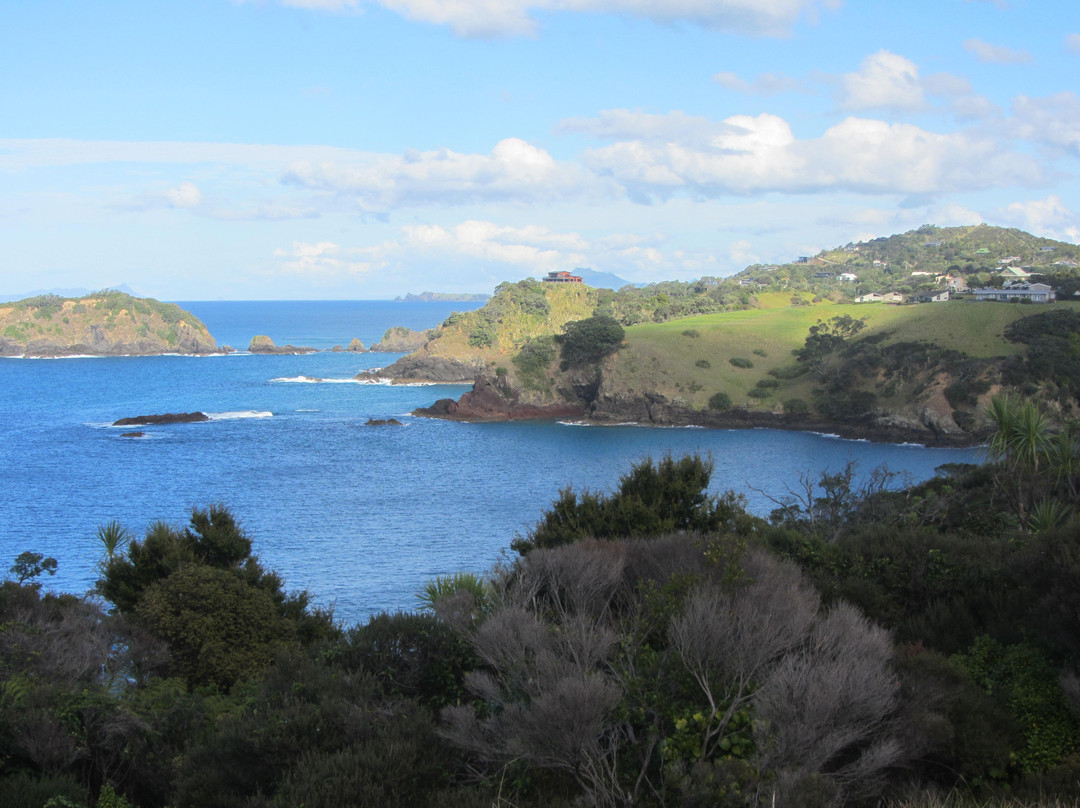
column 364, row 149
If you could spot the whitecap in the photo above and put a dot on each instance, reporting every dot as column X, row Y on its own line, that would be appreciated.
column 233, row 416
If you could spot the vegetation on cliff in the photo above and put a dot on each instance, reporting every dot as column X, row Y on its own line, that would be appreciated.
column 100, row 323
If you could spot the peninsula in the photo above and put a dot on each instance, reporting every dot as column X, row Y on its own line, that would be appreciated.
column 789, row 346
column 106, row 323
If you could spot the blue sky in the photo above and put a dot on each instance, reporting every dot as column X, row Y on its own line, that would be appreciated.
column 356, row 149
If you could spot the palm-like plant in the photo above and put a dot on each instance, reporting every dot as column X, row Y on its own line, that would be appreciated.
column 113, row 537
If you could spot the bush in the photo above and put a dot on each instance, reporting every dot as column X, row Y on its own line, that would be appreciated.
column 796, row 406
column 692, row 333
column 652, row 499
column 588, row 341
column 741, row 362
column 769, row 383
column 703, row 363
column 720, row 401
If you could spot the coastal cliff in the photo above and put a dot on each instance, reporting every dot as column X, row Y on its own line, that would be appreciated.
column 100, row 324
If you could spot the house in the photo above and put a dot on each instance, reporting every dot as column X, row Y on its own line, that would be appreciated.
column 1015, row 273
column 848, row 276
column 920, row 274
column 1065, row 262
column 932, row 297
column 954, row 282
column 1047, row 249
column 562, row 277
column 1015, row 293
column 1009, row 259
column 823, row 274
column 879, row 297
column 934, row 243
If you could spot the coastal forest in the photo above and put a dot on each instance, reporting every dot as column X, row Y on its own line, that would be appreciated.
column 867, row 644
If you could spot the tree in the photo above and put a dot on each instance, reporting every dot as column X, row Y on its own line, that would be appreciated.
column 652, row 499
column 586, row 342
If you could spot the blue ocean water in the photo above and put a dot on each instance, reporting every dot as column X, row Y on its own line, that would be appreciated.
column 360, row 516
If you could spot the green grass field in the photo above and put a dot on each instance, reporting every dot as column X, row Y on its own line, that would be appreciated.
column 668, row 357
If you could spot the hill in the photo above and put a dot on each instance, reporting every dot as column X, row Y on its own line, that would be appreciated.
column 725, row 353
column 104, row 323
column 919, row 260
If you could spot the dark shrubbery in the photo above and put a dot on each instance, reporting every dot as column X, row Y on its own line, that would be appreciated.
column 741, row 362
column 585, row 342
column 720, row 401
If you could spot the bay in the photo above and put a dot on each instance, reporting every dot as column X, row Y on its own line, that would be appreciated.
column 360, row 516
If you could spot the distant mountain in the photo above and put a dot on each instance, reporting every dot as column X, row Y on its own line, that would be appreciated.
column 601, row 280
column 69, row 292
column 452, row 297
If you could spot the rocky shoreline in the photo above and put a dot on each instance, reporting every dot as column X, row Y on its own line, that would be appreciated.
column 492, row 400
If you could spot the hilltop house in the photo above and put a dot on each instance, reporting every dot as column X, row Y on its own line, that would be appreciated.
column 848, row 276
column 562, row 277
column 1015, row 273
column 1016, row 293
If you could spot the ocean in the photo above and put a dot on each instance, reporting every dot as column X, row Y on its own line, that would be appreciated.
column 360, row 516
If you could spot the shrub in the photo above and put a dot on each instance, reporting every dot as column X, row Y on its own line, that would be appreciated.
column 720, row 401
column 703, row 363
column 758, row 392
column 796, row 406
column 587, row 341
column 741, row 362
column 769, row 383
column 692, row 333
column 759, row 352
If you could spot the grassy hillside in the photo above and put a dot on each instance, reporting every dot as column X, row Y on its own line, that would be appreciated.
column 690, row 359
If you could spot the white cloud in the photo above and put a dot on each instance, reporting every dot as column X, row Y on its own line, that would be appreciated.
column 996, row 54
column 185, row 195
column 1072, row 43
column 320, row 260
column 506, row 18
column 514, row 171
column 1053, row 121
column 884, row 80
column 1045, row 217
column 762, row 84
column 759, row 154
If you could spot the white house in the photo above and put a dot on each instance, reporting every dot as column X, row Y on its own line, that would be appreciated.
column 878, row 297
column 1034, row 292
column 848, row 276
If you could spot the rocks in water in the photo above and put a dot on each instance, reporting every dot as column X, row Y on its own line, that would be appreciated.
column 132, row 434
column 165, row 418
column 383, row 422
column 356, row 346
column 262, row 344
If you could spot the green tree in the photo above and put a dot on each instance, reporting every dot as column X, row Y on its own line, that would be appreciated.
column 588, row 341
column 652, row 499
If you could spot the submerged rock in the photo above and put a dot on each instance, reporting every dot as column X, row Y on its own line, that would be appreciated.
column 383, row 422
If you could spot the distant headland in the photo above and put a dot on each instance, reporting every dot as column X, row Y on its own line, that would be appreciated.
column 450, row 297
column 106, row 323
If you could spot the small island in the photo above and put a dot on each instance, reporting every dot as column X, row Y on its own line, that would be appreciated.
column 107, row 323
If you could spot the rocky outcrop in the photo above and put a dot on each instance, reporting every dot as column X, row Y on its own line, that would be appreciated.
column 400, row 339
column 165, row 418
column 262, row 344
column 421, row 367
column 356, row 346
column 491, row 399
column 383, row 422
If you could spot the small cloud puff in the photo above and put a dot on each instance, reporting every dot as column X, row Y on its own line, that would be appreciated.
column 884, row 80
column 996, row 54
column 185, row 195
column 1072, row 43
